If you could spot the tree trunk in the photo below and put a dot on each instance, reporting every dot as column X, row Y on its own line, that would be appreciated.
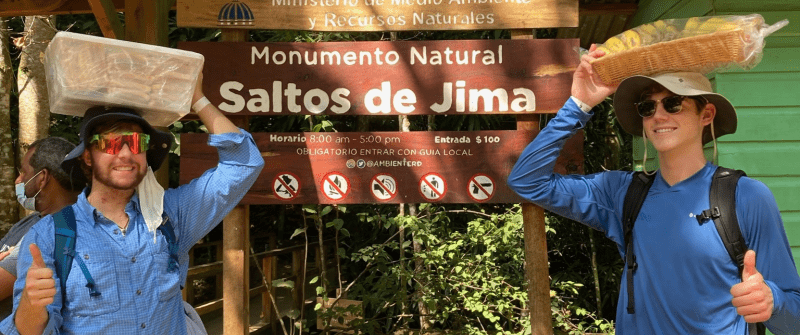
column 9, row 211
column 34, row 109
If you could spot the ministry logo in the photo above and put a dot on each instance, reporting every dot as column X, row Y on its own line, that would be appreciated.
column 235, row 13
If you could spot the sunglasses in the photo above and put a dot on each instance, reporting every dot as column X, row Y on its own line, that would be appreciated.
column 673, row 105
column 111, row 143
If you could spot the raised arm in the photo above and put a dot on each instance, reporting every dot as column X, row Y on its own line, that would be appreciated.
column 215, row 121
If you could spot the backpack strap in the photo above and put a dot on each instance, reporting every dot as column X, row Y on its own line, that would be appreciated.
column 172, row 243
column 722, row 203
column 634, row 198
column 64, row 252
column 722, row 200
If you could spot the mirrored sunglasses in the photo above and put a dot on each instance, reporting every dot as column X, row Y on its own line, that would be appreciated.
column 111, row 143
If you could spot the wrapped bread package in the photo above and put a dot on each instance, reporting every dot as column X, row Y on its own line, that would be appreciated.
column 699, row 44
column 84, row 71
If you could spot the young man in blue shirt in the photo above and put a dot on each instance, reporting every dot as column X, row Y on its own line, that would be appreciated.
column 136, row 289
column 685, row 281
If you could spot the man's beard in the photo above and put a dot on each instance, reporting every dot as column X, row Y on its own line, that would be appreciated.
column 104, row 177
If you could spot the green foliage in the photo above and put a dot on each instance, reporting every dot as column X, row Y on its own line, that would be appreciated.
column 469, row 273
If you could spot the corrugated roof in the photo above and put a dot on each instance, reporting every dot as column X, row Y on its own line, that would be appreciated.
column 599, row 20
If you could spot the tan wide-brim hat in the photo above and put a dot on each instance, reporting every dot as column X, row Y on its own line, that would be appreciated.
column 630, row 91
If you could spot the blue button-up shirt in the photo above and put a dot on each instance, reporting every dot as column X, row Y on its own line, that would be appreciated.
column 138, row 295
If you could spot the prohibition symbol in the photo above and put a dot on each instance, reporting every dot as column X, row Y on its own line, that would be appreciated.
column 432, row 186
column 286, row 186
column 383, row 187
column 480, row 187
column 335, row 186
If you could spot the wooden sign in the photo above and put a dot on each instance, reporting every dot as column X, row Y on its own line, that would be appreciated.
column 381, row 167
column 380, row 78
column 377, row 15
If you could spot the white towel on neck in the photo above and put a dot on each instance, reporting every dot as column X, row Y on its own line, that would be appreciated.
column 151, row 201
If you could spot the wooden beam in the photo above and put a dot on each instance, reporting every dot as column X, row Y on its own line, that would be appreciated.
column 146, row 21
column 28, row 7
column 106, row 15
column 216, row 304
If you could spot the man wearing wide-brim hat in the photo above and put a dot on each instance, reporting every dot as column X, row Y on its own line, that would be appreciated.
column 127, row 275
column 682, row 278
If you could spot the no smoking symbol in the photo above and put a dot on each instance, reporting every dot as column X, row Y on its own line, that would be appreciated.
column 383, row 187
column 432, row 186
column 480, row 187
column 335, row 186
column 286, row 186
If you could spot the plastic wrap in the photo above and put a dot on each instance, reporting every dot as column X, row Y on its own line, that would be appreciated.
column 84, row 71
column 699, row 44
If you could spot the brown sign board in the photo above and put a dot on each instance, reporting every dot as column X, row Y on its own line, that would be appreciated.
column 381, row 78
column 377, row 15
column 381, row 167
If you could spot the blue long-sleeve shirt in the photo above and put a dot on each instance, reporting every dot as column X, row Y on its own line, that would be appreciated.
column 138, row 295
column 684, row 275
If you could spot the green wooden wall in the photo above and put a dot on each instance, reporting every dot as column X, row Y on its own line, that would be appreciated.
column 766, row 144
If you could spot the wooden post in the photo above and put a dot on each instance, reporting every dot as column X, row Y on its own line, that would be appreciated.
column 236, row 248
column 218, row 279
column 536, row 268
column 236, row 271
column 267, row 308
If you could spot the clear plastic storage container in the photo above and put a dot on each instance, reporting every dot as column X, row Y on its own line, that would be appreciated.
column 84, row 71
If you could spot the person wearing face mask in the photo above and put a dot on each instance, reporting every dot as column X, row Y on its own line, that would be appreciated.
column 43, row 187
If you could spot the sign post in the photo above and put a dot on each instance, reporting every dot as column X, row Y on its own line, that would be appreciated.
column 236, row 247
column 537, row 271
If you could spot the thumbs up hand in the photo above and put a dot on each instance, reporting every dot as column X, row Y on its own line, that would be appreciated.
column 40, row 287
column 752, row 297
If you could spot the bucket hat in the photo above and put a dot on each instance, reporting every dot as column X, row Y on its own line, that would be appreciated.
column 160, row 141
column 630, row 91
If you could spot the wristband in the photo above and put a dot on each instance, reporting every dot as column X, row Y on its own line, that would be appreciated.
column 583, row 106
column 200, row 104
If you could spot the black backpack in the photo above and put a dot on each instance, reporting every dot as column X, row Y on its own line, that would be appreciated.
column 722, row 200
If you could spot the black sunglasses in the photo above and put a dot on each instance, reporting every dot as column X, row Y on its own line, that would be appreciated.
column 673, row 105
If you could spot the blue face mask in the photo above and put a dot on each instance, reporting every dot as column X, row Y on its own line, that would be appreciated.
column 27, row 203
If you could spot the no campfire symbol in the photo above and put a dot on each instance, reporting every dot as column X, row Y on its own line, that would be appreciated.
column 480, row 187
column 383, row 187
column 335, row 186
column 286, row 186
column 432, row 186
